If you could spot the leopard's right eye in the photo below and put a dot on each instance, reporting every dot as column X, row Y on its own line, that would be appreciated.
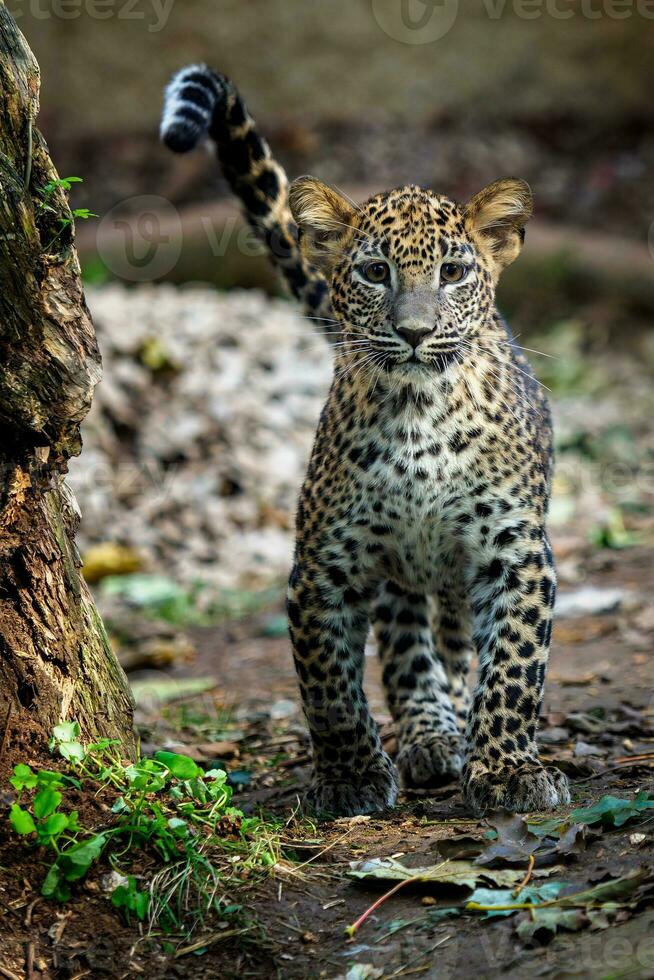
column 376, row 272
column 453, row 272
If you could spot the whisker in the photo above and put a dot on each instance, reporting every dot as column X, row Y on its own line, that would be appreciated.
column 347, row 197
column 505, row 379
column 321, row 319
column 368, row 235
column 350, row 367
column 346, row 345
column 530, row 350
column 531, row 377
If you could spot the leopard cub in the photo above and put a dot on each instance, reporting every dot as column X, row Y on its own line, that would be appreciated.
column 424, row 505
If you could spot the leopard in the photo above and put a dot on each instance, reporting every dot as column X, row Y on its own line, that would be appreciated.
column 423, row 513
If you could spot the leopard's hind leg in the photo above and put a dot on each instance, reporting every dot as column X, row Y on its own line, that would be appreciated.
column 417, row 689
column 452, row 628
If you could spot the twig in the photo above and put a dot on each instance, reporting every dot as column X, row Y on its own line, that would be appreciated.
column 351, row 931
column 564, row 901
column 339, row 840
column 405, row 925
column 5, row 736
column 527, row 878
column 297, row 760
column 603, row 772
column 414, row 969
column 8, row 973
column 29, row 961
column 30, row 909
column 477, row 907
column 207, row 941
column 426, row 952
column 289, row 925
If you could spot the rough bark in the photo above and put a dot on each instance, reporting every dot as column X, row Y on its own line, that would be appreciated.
column 55, row 660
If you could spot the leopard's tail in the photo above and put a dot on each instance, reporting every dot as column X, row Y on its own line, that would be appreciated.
column 200, row 104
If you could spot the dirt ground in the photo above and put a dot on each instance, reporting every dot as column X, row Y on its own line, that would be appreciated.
column 598, row 724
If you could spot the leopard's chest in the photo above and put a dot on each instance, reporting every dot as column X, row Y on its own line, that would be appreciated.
column 413, row 517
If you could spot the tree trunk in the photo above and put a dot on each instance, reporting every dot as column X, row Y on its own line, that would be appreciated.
column 55, row 659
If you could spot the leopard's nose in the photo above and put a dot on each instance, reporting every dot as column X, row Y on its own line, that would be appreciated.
column 413, row 333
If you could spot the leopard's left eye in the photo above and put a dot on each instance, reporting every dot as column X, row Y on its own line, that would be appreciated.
column 453, row 272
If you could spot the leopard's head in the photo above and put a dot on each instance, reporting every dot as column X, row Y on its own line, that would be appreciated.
column 412, row 273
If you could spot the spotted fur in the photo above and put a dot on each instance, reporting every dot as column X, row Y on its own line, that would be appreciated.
column 424, row 505
column 201, row 105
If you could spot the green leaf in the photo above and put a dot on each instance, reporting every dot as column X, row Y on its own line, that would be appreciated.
column 502, row 902
column 131, row 899
column 179, row 765
column 547, row 921
column 67, row 731
column 611, row 811
column 161, row 691
column 178, row 825
column 142, row 904
column 120, row 897
column 55, row 780
column 54, row 825
column 101, row 744
column 46, row 802
column 361, row 971
column 275, row 626
column 76, row 860
column 155, row 591
column 143, row 778
column 219, row 775
column 21, row 820
column 23, row 777
column 73, row 821
column 436, row 915
column 613, row 890
column 73, row 751
column 553, row 827
column 239, row 778
column 54, row 885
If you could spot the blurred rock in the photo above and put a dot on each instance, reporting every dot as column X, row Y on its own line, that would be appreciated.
column 109, row 558
column 199, row 435
column 589, row 601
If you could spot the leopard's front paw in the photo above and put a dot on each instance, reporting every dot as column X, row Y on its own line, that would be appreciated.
column 368, row 792
column 432, row 761
column 524, row 788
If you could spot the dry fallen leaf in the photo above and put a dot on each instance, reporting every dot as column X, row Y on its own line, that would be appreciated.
column 459, row 874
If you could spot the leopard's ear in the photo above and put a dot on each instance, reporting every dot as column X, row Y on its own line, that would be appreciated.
column 497, row 216
column 325, row 220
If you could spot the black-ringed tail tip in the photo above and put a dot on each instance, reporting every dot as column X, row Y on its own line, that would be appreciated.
column 190, row 100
